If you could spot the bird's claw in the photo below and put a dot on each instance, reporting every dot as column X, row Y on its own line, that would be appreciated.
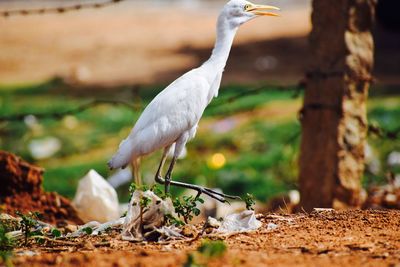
column 221, row 197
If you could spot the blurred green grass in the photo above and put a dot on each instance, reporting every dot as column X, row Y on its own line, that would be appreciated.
column 258, row 133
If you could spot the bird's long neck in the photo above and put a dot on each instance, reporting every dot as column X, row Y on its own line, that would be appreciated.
column 225, row 35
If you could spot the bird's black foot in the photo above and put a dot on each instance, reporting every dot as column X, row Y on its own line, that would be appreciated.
column 221, row 197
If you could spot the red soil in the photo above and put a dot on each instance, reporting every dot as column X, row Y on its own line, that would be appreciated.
column 21, row 190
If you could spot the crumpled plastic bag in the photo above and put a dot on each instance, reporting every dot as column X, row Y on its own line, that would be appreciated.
column 96, row 199
column 152, row 222
column 97, row 227
column 239, row 222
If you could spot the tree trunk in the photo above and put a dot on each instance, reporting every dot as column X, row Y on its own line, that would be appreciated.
column 334, row 121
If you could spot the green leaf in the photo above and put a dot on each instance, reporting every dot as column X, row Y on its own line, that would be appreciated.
column 250, row 202
column 87, row 230
column 55, row 232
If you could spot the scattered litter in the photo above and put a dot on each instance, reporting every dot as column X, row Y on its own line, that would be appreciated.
column 145, row 222
column 372, row 161
column 31, row 121
column 394, row 158
column 83, row 230
column 95, row 199
column 294, row 196
column 28, row 253
column 272, row 226
column 109, row 225
column 240, row 222
column 385, row 196
column 44, row 148
column 16, row 235
column 97, row 228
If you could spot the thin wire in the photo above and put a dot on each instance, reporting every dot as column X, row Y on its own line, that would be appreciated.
column 60, row 114
column 26, row 12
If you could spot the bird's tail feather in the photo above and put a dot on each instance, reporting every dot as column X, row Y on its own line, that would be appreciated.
column 123, row 156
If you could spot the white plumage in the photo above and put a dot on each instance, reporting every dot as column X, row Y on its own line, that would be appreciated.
column 173, row 115
column 170, row 118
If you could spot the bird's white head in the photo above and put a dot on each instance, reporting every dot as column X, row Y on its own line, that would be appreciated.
column 237, row 12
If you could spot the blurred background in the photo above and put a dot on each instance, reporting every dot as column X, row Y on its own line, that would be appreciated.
column 248, row 140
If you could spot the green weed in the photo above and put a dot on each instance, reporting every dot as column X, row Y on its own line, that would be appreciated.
column 205, row 252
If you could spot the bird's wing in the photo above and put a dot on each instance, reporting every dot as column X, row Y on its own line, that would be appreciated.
column 172, row 112
column 183, row 101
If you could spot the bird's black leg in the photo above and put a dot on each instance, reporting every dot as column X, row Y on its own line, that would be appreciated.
column 200, row 190
column 168, row 175
column 158, row 177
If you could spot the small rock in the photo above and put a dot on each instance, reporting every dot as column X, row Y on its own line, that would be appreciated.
column 189, row 230
column 88, row 245
column 209, row 230
column 391, row 199
column 212, row 222
column 70, row 228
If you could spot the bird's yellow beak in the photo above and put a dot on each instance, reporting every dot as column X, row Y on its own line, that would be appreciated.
column 262, row 10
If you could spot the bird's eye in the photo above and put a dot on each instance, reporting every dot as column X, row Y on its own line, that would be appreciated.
column 246, row 7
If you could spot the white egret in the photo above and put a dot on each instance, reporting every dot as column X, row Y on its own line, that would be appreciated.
column 172, row 117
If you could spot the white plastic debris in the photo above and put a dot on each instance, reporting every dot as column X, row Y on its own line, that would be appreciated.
column 120, row 177
column 82, row 229
column 95, row 199
column 27, row 253
column 294, row 197
column 109, row 225
column 272, row 226
column 97, row 227
column 394, row 159
column 151, row 220
column 372, row 161
column 44, row 148
column 31, row 121
column 240, row 222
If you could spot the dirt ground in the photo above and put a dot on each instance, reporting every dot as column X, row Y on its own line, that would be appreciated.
column 321, row 238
